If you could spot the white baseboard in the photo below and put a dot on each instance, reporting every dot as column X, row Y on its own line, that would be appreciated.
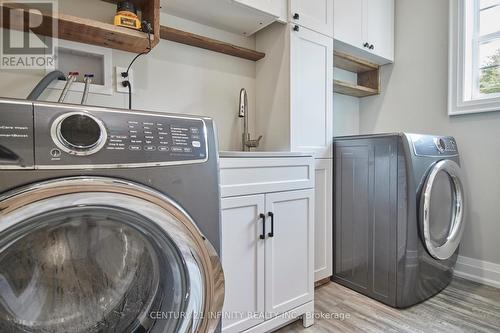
column 480, row 271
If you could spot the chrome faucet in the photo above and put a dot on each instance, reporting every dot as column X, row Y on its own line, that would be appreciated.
column 247, row 143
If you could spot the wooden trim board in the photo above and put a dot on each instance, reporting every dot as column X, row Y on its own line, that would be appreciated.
column 322, row 282
column 206, row 43
column 346, row 88
column 352, row 64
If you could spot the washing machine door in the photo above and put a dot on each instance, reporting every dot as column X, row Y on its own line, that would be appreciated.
column 104, row 255
column 442, row 209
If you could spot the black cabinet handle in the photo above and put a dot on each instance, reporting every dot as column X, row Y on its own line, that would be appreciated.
column 263, row 218
column 296, row 28
column 271, row 215
column 296, row 16
column 366, row 45
column 372, row 47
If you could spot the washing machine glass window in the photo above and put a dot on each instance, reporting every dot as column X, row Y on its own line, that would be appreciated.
column 101, row 255
column 442, row 209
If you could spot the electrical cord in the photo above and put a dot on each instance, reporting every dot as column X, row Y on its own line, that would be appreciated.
column 129, row 85
column 146, row 28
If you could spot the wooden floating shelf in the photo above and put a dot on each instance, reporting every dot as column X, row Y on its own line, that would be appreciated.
column 368, row 82
column 79, row 29
column 206, row 43
column 346, row 88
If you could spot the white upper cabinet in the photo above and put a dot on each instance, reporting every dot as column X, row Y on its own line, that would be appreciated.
column 274, row 7
column 365, row 28
column 316, row 15
column 348, row 21
column 243, row 17
column 380, row 27
column 311, row 93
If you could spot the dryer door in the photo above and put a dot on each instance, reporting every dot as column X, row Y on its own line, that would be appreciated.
column 442, row 206
column 104, row 255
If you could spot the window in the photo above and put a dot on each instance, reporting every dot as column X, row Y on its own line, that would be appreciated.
column 486, row 47
column 474, row 72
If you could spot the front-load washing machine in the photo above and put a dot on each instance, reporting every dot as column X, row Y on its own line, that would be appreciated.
column 399, row 215
column 109, row 220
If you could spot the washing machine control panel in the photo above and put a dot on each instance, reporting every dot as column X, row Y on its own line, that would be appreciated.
column 427, row 145
column 117, row 138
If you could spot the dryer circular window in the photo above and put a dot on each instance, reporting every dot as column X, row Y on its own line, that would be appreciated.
column 442, row 206
column 99, row 254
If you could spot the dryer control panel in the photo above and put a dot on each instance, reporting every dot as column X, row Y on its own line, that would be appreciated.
column 70, row 136
column 428, row 145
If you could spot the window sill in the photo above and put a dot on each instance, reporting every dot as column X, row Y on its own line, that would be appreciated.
column 473, row 106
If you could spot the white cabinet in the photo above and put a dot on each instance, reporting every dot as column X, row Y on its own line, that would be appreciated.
column 312, row 97
column 365, row 28
column 348, row 21
column 289, row 262
column 316, row 15
column 243, row 17
column 276, row 8
column 267, row 244
column 295, row 90
column 323, row 197
column 379, row 27
column 243, row 261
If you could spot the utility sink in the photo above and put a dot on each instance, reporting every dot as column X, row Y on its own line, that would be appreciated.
column 260, row 154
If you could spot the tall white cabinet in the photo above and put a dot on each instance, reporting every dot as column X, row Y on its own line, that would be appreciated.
column 267, row 242
column 311, row 97
column 295, row 104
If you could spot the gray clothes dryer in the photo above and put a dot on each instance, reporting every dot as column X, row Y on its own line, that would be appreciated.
column 109, row 220
column 399, row 215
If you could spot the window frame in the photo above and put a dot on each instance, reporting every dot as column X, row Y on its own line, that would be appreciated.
column 463, row 72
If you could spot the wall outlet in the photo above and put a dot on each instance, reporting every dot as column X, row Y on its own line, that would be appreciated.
column 119, row 79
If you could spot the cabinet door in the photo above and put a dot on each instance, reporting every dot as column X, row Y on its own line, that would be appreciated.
column 348, row 22
column 242, row 261
column 379, row 27
column 311, row 93
column 323, row 233
column 316, row 15
column 290, row 252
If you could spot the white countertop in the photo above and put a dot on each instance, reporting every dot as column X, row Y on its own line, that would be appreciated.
column 260, row 154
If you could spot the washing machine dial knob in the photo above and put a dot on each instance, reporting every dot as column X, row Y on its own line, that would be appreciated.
column 440, row 145
column 79, row 133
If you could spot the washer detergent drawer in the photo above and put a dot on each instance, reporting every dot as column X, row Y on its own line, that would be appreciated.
column 16, row 135
column 102, row 255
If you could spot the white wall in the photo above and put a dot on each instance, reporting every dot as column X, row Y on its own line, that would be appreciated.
column 414, row 97
column 345, row 108
column 172, row 78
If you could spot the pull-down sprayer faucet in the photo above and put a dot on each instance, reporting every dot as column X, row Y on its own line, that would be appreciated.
column 247, row 143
